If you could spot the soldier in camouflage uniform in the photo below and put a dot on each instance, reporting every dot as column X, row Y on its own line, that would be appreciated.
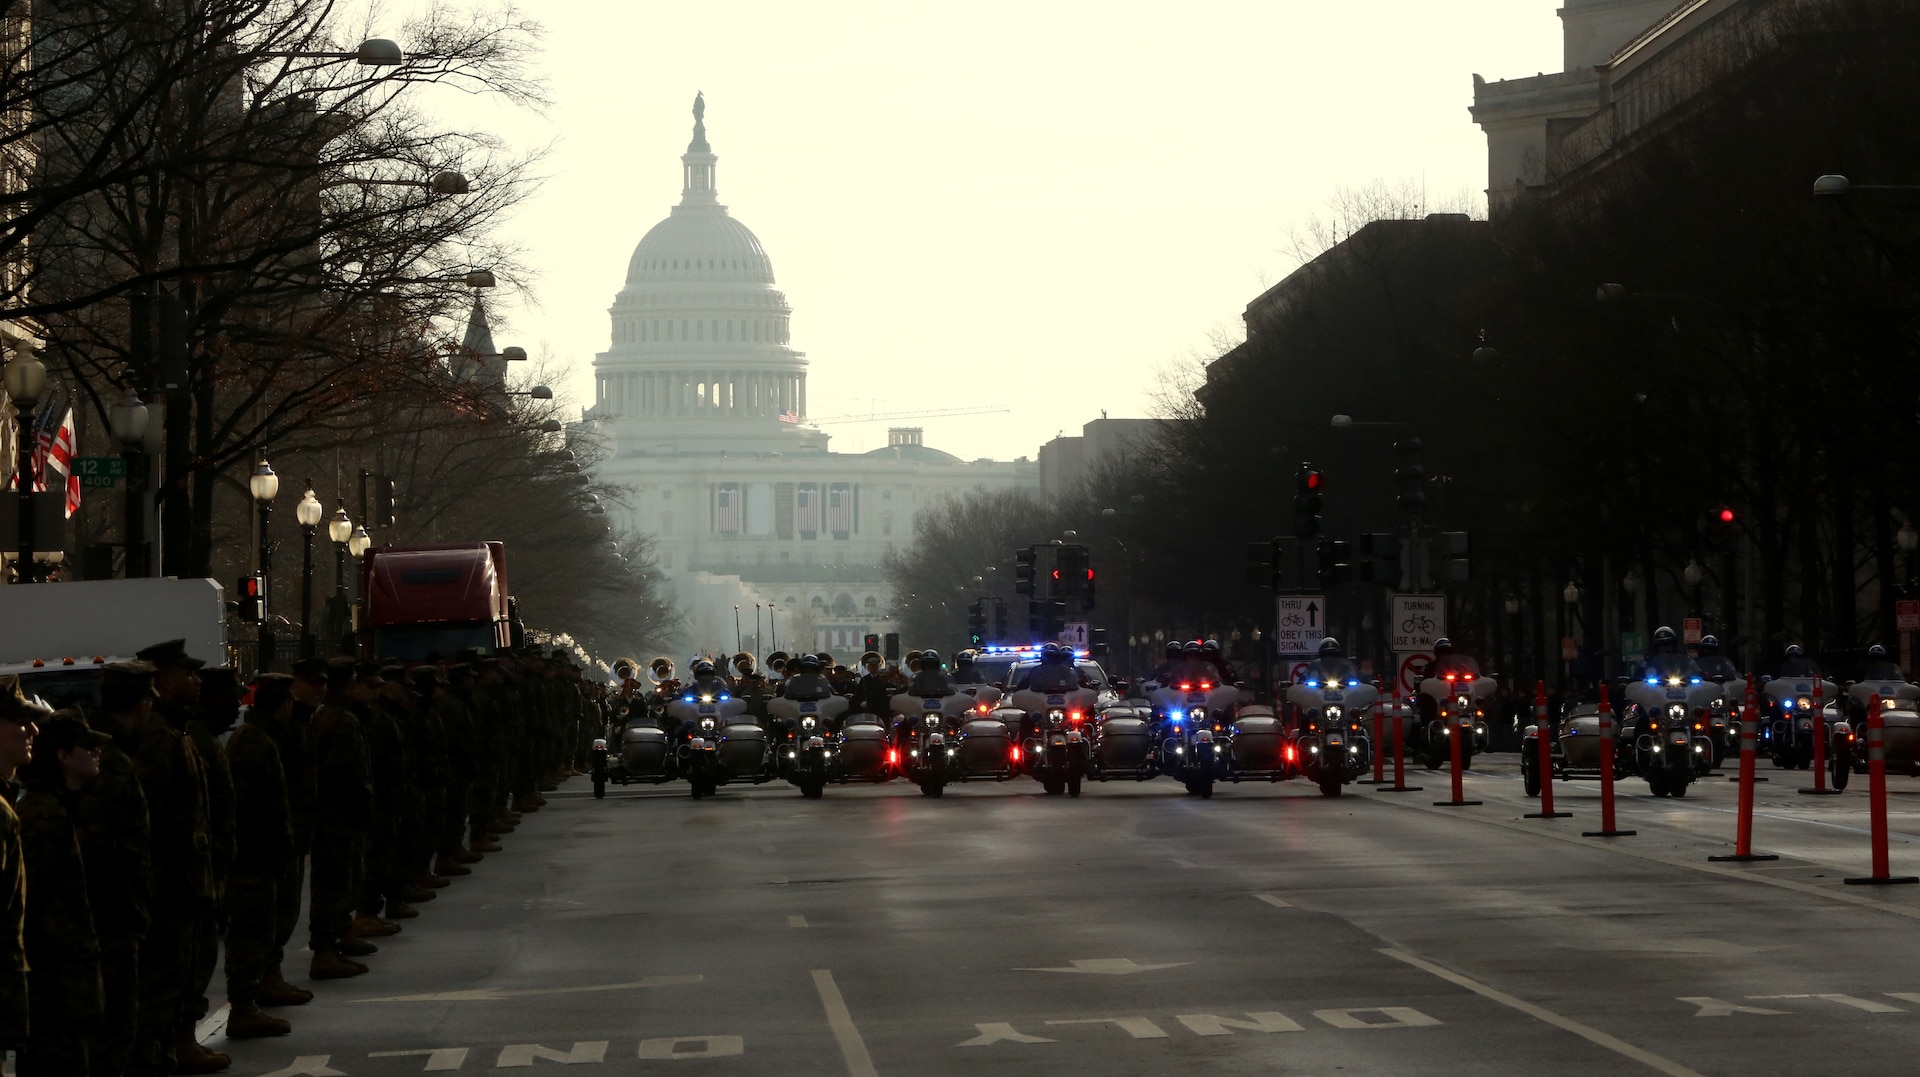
column 117, row 846
column 263, row 842
column 294, row 739
column 388, row 769
column 402, row 869
column 429, row 750
column 344, row 807
column 489, row 792
column 176, row 790
column 63, row 949
column 17, row 718
column 203, row 719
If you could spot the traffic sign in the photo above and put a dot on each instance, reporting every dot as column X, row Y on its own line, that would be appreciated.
column 1297, row 671
column 1906, row 615
column 1633, row 646
column 1074, row 634
column 97, row 471
column 1690, row 630
column 1300, row 620
column 1413, row 669
column 1418, row 620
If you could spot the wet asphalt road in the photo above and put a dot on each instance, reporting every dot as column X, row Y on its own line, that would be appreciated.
column 1138, row 930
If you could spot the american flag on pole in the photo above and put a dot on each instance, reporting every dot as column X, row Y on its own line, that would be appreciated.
column 55, row 452
column 789, row 416
column 840, row 510
column 726, row 508
column 806, row 510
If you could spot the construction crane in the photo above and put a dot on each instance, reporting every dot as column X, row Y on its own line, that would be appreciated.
column 872, row 417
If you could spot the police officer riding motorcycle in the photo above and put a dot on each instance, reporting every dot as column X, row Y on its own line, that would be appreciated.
column 806, row 718
column 1451, row 695
column 717, row 741
column 927, row 717
column 1330, row 703
column 1667, row 742
column 1056, row 703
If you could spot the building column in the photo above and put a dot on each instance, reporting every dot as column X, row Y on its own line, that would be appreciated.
column 802, row 409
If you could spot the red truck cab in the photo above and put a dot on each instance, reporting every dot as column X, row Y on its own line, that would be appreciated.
column 434, row 601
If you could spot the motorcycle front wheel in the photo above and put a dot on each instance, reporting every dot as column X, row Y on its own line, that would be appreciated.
column 1073, row 787
column 599, row 787
column 1841, row 764
column 1329, row 784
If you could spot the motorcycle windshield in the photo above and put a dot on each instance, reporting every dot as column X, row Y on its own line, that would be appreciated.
column 1333, row 671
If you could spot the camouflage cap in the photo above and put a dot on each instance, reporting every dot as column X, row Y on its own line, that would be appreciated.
column 310, row 670
column 66, row 730
column 172, row 652
column 14, row 704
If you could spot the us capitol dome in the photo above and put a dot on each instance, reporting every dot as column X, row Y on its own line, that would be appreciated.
column 701, row 403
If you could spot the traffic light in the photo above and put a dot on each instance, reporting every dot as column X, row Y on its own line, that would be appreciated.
column 1379, row 558
column 1023, row 570
column 1056, row 612
column 872, row 641
column 1097, row 642
column 1336, row 562
column 1306, row 501
column 385, row 493
column 1260, row 564
column 1000, row 620
column 1454, row 550
column 892, row 651
column 1411, row 475
column 1723, row 528
column 1073, row 574
column 976, row 623
column 253, row 598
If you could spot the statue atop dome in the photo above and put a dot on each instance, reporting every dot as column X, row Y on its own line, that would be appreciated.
column 699, row 143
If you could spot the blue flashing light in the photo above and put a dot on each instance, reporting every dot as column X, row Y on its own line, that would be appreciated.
column 1175, row 716
column 1655, row 680
column 1786, row 704
column 1696, row 680
column 686, row 698
column 1313, row 684
column 724, row 697
column 1355, row 683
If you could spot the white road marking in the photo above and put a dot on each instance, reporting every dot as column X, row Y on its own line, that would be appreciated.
column 1904, row 996
column 852, row 1047
column 1274, row 901
column 515, row 1055
column 796, row 921
column 710, row 1047
column 1538, row 1013
column 1178, row 863
column 1001, row 1032
column 307, row 1066
column 1109, row 966
column 212, row 1024
column 439, row 1059
column 1138, row 1027
column 495, row 994
column 1866, row 1004
column 1713, row 1007
column 1206, row 1024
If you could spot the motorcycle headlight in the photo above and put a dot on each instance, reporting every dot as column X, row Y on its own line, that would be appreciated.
column 1805, row 704
column 1676, row 711
column 807, row 722
column 706, row 723
column 1056, row 717
column 1460, row 703
column 1334, row 713
column 706, row 699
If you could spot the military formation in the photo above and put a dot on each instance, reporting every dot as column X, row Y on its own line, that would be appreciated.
column 188, row 817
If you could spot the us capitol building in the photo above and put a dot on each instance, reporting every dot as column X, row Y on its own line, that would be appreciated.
column 701, row 404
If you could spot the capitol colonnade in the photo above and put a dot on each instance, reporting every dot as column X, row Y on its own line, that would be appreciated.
column 660, row 394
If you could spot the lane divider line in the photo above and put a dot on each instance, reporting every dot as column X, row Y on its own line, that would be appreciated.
column 1538, row 1013
column 797, row 921
column 1274, row 901
column 852, row 1047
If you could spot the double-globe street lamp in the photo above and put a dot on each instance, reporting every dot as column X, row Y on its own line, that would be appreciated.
column 309, row 513
column 339, row 532
column 25, row 380
column 264, row 485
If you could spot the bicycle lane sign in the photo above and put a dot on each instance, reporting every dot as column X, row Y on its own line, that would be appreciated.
column 1299, row 623
column 1418, row 620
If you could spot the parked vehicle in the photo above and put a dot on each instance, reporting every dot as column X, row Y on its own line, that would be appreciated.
column 435, row 601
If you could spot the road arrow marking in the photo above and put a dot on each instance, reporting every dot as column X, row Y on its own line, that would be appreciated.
column 1109, row 966
column 496, row 994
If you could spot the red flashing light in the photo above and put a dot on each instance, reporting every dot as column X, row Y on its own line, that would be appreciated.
column 1016, row 753
column 1186, row 686
column 1289, row 753
column 893, row 756
column 1726, row 516
column 1313, row 480
column 1206, row 686
column 1056, row 573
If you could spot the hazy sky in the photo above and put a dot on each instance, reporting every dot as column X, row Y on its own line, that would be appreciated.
column 1037, row 205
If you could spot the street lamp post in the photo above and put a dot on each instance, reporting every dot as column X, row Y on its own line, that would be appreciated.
column 339, row 531
column 1694, row 575
column 25, row 380
column 264, row 485
column 1570, row 600
column 129, row 421
column 1908, row 540
column 308, row 512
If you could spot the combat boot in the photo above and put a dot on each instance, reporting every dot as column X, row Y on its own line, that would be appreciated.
column 400, row 910
column 445, row 864
column 538, row 800
column 190, row 1057
column 276, row 991
column 416, row 895
column 431, row 881
column 485, row 846
column 368, row 926
column 328, row 965
column 357, row 947
column 464, row 856
column 246, row 1022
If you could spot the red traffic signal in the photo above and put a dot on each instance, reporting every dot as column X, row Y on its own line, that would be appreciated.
column 1726, row 515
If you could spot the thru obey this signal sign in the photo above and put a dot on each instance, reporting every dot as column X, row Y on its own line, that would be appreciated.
column 1299, row 623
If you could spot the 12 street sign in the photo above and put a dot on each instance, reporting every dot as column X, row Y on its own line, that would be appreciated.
column 1418, row 620
column 96, row 471
column 1299, row 622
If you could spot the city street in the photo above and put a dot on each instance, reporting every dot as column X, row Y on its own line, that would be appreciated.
column 1137, row 930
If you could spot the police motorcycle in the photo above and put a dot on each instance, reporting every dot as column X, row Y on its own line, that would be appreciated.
column 1329, row 743
column 1056, row 711
column 633, row 747
column 929, row 715
column 1899, row 717
column 1790, row 722
column 1193, row 712
column 1453, row 691
column 1667, row 740
column 1123, row 736
column 807, row 720
column 719, row 742
column 985, row 749
column 1723, row 711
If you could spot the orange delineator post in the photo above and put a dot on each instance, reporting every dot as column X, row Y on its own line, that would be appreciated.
column 1749, row 747
column 1820, row 734
column 1462, row 728
column 1399, row 757
column 1877, row 800
column 1607, row 829
column 1543, row 740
